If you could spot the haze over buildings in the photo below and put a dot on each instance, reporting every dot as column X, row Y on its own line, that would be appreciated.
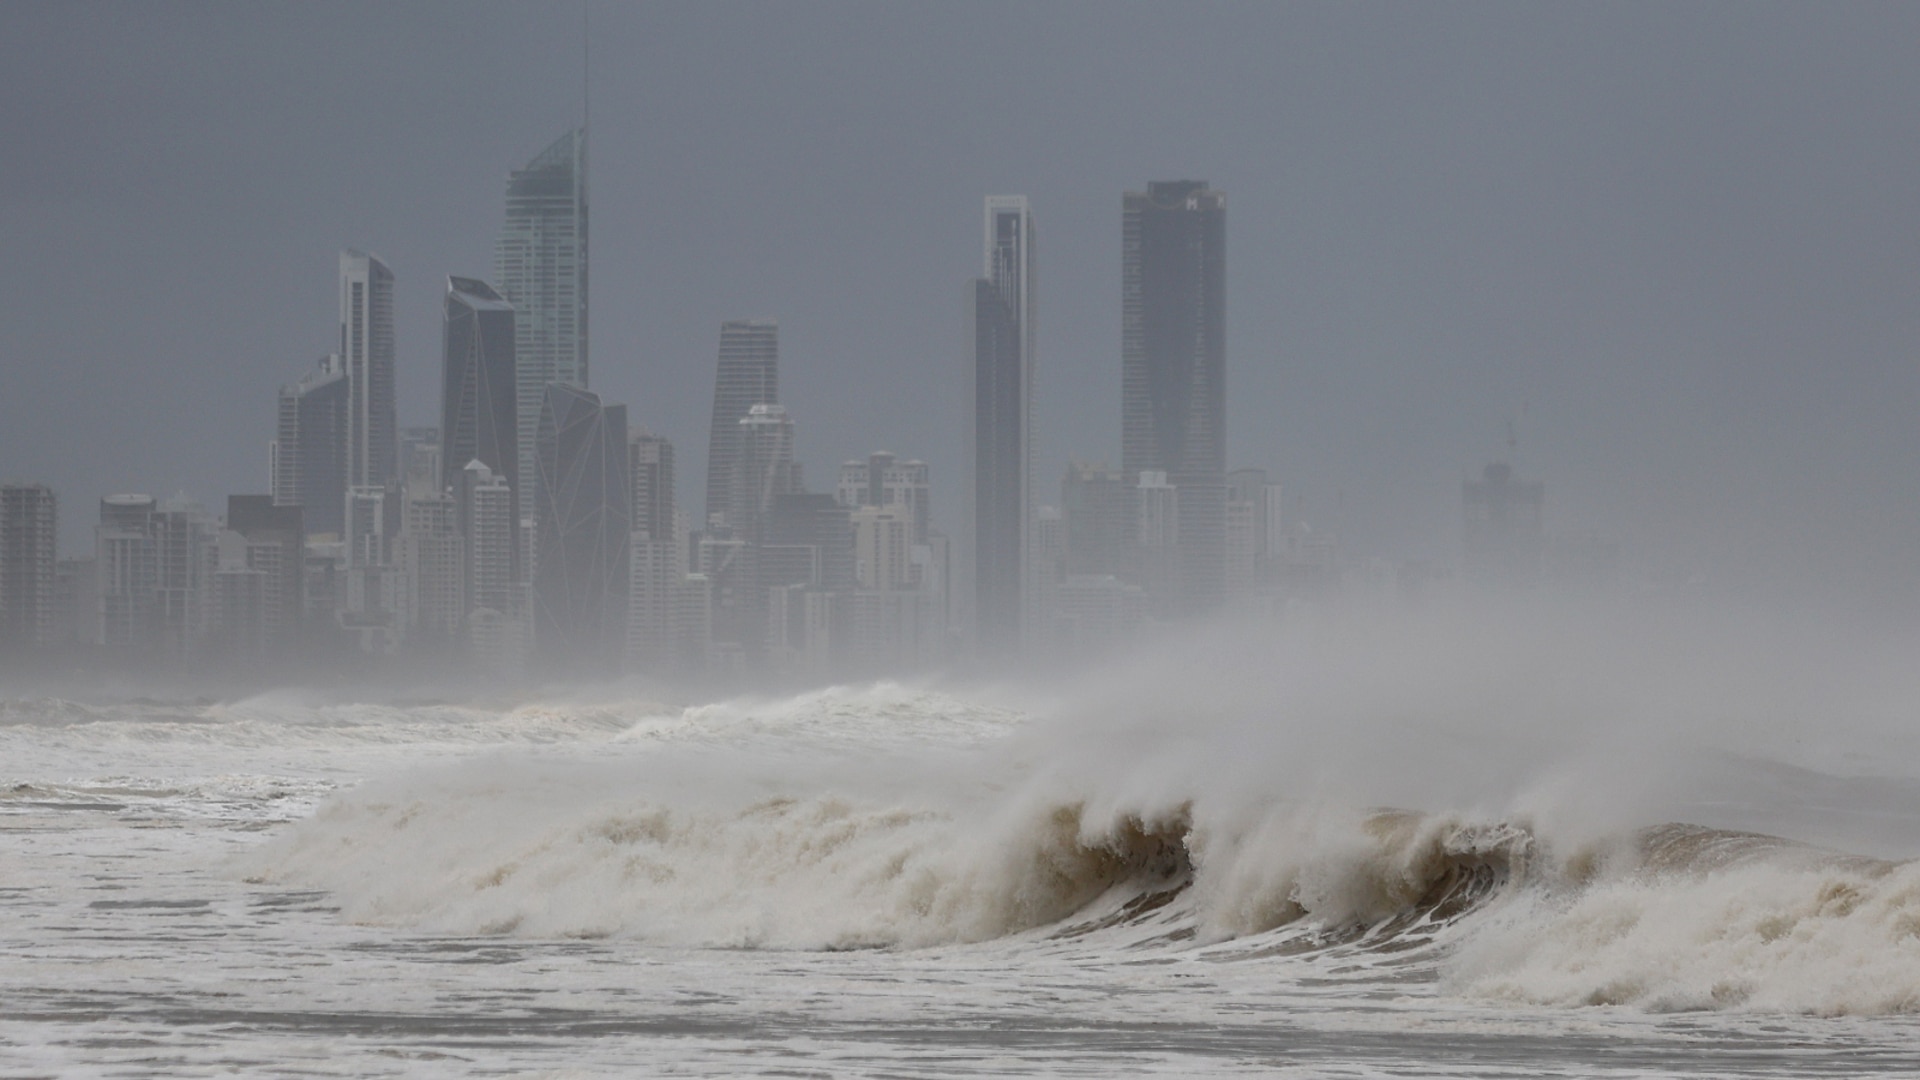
column 1660, row 354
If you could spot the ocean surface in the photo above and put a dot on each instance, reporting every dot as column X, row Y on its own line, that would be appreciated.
column 1362, row 851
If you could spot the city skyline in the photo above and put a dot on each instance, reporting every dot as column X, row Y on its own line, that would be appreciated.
column 1454, row 614
column 1396, row 303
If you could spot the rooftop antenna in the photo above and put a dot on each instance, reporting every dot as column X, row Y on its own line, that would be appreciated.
column 586, row 68
column 1513, row 435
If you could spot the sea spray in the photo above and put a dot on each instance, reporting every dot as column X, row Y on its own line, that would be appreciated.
column 1491, row 799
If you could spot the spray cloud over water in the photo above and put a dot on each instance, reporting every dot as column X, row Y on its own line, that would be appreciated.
column 1549, row 808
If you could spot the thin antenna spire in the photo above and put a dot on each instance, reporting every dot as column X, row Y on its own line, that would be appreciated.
column 586, row 67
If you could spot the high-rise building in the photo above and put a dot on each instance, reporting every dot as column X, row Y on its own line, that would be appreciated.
column 748, row 375
column 540, row 263
column 1253, row 529
column 584, row 511
column 28, row 520
column 125, row 562
column 804, row 559
column 807, row 540
column 1046, row 569
column 1505, row 534
column 883, row 480
column 76, row 601
column 184, row 536
column 373, row 522
column 883, row 547
column 429, row 562
column 420, row 450
column 1097, row 505
column 372, row 605
column 367, row 352
column 653, row 630
column 310, row 450
column 658, row 628
column 1173, row 366
column 650, row 464
column 479, row 406
column 763, row 469
column 1001, row 353
column 1156, row 504
column 265, row 541
column 490, row 562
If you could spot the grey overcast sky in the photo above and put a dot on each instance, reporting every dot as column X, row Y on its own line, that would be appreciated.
column 1678, row 246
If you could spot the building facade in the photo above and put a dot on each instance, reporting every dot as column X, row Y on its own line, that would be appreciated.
column 270, row 544
column 748, row 375
column 1173, row 371
column 884, row 480
column 584, row 518
column 491, row 594
column 540, row 263
column 1001, row 353
column 310, row 446
column 29, row 521
column 479, row 397
column 650, row 465
column 125, row 562
column 367, row 353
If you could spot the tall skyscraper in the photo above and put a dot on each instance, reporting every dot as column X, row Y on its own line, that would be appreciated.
column 27, row 559
column 1002, row 354
column 540, row 264
column 310, row 447
column 1173, row 365
column 748, row 375
column 585, row 518
column 479, row 406
column 367, row 351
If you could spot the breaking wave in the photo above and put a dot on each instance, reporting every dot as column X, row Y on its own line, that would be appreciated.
column 1399, row 814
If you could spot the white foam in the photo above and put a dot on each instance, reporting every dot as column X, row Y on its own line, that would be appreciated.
column 901, row 816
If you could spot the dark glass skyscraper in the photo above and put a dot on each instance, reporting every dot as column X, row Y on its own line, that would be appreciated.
column 1173, row 365
column 478, row 398
column 540, row 264
column 748, row 375
column 367, row 351
column 1002, row 330
column 584, row 517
